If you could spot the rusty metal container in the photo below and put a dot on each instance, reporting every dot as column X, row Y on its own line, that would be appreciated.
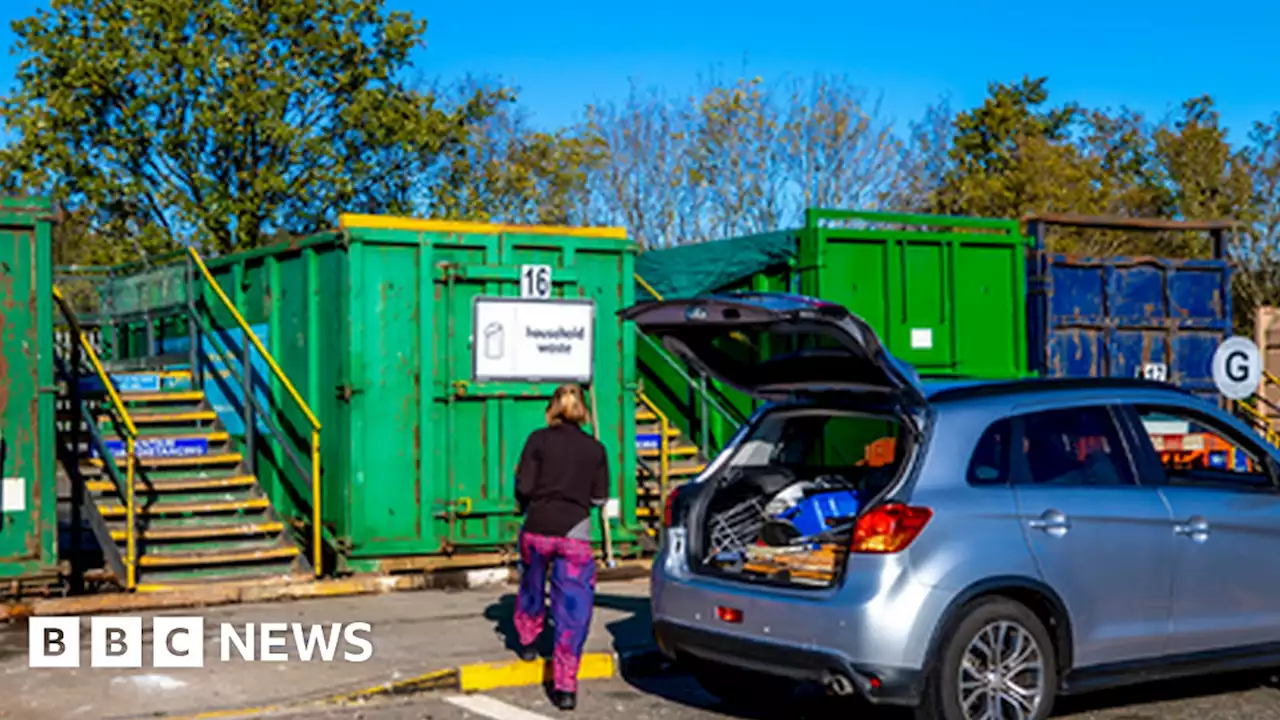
column 28, row 489
column 1152, row 317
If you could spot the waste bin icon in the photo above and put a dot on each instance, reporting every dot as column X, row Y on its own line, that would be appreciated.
column 493, row 339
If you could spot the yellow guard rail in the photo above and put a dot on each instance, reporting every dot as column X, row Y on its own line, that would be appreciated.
column 664, row 448
column 317, row 547
column 130, row 440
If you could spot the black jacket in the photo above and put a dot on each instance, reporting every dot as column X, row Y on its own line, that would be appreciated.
column 562, row 472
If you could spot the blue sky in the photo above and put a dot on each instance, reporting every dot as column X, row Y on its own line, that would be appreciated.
column 1146, row 54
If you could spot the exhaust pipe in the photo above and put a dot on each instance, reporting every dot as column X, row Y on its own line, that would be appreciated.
column 839, row 685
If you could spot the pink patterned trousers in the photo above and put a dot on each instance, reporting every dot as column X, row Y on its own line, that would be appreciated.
column 573, row 584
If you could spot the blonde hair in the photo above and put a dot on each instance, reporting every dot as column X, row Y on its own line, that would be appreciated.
column 567, row 405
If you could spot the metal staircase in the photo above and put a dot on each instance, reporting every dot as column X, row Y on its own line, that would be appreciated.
column 200, row 513
column 169, row 495
column 666, row 459
column 674, row 445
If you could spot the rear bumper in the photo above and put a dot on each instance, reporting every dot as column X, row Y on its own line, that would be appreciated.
column 881, row 685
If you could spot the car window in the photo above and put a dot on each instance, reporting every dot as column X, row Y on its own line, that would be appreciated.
column 990, row 462
column 1196, row 451
column 1077, row 446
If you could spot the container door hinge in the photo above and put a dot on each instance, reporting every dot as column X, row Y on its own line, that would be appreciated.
column 345, row 392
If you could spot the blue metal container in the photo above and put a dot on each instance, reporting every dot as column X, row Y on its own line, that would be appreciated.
column 1128, row 316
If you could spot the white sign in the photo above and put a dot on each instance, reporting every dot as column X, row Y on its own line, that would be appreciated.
column 535, row 281
column 1156, row 372
column 1237, row 368
column 921, row 338
column 533, row 340
column 13, row 495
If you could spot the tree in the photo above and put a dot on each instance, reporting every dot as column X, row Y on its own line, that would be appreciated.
column 223, row 121
column 1257, row 253
column 737, row 157
column 504, row 170
column 924, row 161
column 1012, row 156
column 838, row 152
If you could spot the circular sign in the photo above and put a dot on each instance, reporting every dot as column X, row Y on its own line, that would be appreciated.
column 1237, row 368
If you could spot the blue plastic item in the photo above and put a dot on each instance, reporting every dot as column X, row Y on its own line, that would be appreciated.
column 814, row 513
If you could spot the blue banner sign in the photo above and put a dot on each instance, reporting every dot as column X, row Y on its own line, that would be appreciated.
column 160, row 447
column 136, row 382
column 648, row 441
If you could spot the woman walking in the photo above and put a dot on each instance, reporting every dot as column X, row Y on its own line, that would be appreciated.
column 563, row 473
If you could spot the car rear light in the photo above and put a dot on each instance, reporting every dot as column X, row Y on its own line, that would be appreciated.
column 667, row 506
column 729, row 615
column 888, row 528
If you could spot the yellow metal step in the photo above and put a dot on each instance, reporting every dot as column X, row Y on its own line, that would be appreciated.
column 676, row 451
column 172, row 396
column 116, row 510
column 217, row 558
column 181, row 485
column 646, row 416
column 194, row 460
column 672, row 432
column 160, row 418
column 197, row 532
column 685, row 470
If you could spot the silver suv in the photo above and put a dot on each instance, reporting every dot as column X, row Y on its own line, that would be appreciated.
column 972, row 550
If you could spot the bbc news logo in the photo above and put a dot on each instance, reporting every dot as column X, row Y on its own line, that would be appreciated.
column 179, row 642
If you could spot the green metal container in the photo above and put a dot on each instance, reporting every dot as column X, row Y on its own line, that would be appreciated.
column 374, row 326
column 946, row 294
column 28, row 496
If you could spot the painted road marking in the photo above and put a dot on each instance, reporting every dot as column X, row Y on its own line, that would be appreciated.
column 492, row 708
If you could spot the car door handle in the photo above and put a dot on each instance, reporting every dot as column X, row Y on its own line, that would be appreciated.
column 1197, row 528
column 1052, row 522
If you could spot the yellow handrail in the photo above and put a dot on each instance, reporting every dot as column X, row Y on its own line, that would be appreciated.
column 293, row 392
column 131, row 541
column 664, row 448
column 645, row 284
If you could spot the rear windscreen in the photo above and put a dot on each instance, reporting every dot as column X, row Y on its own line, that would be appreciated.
column 755, row 357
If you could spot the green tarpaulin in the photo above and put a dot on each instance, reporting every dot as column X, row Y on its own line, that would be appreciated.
column 688, row 270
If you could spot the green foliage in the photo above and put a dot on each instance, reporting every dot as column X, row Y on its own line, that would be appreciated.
column 504, row 170
column 1015, row 156
column 222, row 121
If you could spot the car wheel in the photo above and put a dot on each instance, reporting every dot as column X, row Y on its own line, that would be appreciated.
column 742, row 689
column 998, row 663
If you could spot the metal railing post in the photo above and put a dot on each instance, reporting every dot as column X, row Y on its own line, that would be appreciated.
column 250, row 419
column 702, row 412
column 130, row 528
column 193, row 329
column 317, row 516
column 77, row 476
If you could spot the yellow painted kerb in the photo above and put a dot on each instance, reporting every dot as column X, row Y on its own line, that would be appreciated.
column 491, row 676
column 387, row 222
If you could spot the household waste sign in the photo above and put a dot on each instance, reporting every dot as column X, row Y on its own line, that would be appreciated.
column 533, row 340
